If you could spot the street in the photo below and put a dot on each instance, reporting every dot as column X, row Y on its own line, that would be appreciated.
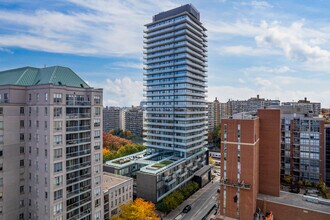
column 201, row 202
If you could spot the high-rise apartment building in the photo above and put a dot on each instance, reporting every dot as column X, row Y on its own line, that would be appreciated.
column 327, row 154
column 213, row 114
column 134, row 120
column 302, row 144
column 175, row 123
column 305, row 105
column 50, row 145
column 113, row 118
column 252, row 104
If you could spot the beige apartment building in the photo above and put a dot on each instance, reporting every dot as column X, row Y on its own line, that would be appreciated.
column 118, row 190
column 50, row 145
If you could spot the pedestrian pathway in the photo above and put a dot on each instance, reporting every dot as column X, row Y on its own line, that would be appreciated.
column 173, row 214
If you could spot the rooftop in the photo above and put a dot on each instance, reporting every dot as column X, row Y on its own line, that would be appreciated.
column 295, row 200
column 29, row 76
column 111, row 180
column 184, row 8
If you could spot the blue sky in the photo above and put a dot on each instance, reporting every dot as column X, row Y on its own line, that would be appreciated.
column 278, row 49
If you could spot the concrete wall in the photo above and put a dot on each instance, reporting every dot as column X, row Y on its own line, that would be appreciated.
column 146, row 186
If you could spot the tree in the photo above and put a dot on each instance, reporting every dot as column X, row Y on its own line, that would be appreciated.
column 112, row 142
column 138, row 209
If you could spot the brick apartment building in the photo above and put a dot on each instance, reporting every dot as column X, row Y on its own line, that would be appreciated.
column 250, row 171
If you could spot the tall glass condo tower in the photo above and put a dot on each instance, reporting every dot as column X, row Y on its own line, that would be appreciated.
column 175, row 82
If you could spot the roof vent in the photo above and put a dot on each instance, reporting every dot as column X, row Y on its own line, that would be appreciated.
column 59, row 83
column 81, row 85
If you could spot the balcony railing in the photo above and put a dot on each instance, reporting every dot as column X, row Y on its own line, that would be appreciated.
column 78, row 115
column 78, row 103
column 78, row 153
column 78, row 128
column 78, row 141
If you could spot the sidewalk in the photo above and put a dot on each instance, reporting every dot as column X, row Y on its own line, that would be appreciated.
column 173, row 214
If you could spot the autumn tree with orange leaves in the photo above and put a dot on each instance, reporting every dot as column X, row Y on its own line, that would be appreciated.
column 112, row 142
column 138, row 209
column 115, row 147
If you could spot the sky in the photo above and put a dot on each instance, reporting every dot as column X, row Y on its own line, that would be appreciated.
column 277, row 49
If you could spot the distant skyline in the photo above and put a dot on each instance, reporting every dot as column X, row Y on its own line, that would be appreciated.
column 277, row 49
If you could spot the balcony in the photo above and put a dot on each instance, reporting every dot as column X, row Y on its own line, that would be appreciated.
column 78, row 153
column 170, row 182
column 78, row 128
column 183, row 174
column 4, row 100
column 78, row 103
column 78, row 141
column 236, row 184
column 77, row 115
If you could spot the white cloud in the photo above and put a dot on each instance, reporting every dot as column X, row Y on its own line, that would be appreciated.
column 101, row 28
column 295, row 41
column 121, row 92
column 246, row 51
column 239, row 28
column 132, row 65
column 265, row 69
column 261, row 4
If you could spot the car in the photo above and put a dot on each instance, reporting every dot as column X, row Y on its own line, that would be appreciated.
column 187, row 209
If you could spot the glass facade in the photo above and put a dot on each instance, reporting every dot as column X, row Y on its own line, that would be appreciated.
column 175, row 84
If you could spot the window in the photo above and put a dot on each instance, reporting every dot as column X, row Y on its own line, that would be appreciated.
column 21, row 136
column 46, row 96
column 30, row 123
column 46, row 111
column 97, row 145
column 98, row 215
column 97, row 180
column 57, row 139
column 97, row 168
column 46, row 139
column 97, row 202
column 1, row 138
column 21, row 149
column 58, row 208
column 58, row 125
column 97, row 111
column 1, row 152
column 30, row 97
column 58, row 194
column 21, row 163
column 97, row 99
column 58, row 180
column 37, row 96
column 21, row 189
column 97, row 134
column 1, row 125
column 97, row 191
column 45, row 125
column 58, row 167
column 21, row 123
column 30, row 111
column 58, row 153
column 97, row 157
column 21, row 110
column 57, row 112
column 97, row 122
column 37, row 124
column 1, row 111
column 57, row 98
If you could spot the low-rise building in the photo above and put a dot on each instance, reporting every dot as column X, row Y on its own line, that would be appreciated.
column 117, row 190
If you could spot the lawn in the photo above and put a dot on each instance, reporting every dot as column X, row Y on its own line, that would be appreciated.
column 162, row 164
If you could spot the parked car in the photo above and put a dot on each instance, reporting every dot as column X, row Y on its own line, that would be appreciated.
column 187, row 209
